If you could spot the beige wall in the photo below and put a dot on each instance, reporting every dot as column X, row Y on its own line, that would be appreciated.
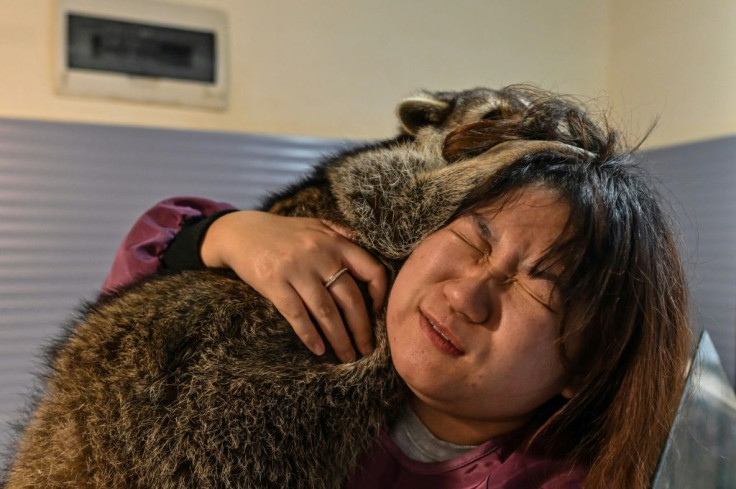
column 675, row 59
column 336, row 68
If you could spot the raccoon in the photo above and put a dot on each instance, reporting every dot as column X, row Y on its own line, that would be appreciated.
column 193, row 380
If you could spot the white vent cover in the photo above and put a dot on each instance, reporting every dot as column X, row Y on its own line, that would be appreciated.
column 142, row 51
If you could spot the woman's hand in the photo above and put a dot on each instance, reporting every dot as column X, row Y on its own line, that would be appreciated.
column 288, row 260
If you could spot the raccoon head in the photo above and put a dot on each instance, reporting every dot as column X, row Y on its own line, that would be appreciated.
column 441, row 112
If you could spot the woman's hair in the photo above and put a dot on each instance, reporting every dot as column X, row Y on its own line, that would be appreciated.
column 625, row 336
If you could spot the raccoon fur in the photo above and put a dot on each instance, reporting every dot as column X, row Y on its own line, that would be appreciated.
column 193, row 380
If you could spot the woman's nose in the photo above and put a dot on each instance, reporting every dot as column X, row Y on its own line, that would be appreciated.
column 470, row 296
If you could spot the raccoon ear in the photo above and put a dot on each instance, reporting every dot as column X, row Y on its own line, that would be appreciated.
column 421, row 111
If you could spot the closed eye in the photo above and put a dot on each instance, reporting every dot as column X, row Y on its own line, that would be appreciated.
column 536, row 296
column 469, row 242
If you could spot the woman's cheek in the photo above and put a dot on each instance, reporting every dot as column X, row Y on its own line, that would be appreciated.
column 412, row 365
column 404, row 344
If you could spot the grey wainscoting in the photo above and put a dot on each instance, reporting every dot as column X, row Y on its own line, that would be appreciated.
column 70, row 192
column 699, row 182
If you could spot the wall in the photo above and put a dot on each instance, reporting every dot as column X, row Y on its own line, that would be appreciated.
column 700, row 197
column 335, row 68
column 675, row 59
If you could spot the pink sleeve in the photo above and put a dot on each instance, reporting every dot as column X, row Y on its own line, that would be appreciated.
column 140, row 253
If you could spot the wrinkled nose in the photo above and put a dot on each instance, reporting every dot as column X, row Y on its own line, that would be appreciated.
column 470, row 297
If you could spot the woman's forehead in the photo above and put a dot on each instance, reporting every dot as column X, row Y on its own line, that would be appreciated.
column 536, row 207
column 525, row 199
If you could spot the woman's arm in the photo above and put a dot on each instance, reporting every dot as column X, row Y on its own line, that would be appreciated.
column 286, row 259
column 141, row 251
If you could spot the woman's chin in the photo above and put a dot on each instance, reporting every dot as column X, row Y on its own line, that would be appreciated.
column 424, row 379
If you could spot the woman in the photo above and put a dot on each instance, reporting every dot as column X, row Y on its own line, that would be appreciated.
column 542, row 332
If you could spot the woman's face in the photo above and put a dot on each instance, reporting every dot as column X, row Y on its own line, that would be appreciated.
column 472, row 330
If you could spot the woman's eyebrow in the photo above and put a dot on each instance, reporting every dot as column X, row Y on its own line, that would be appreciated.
column 481, row 224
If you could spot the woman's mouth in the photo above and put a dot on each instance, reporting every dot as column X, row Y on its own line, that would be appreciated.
column 438, row 338
column 434, row 326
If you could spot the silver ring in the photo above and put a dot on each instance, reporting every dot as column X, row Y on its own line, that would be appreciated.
column 332, row 279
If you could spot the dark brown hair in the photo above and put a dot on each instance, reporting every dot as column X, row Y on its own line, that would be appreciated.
column 623, row 284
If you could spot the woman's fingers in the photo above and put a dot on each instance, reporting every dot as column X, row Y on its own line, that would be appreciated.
column 347, row 296
column 321, row 303
column 350, row 301
column 341, row 230
column 290, row 305
column 364, row 267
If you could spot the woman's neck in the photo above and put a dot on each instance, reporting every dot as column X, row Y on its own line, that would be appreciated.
column 460, row 430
